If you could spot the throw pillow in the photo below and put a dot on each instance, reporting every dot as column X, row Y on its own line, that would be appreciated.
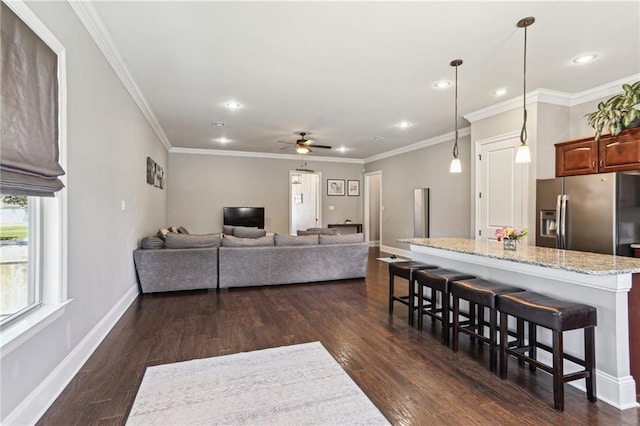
column 181, row 241
column 341, row 239
column 162, row 233
column 245, row 232
column 182, row 230
column 152, row 243
column 231, row 241
column 227, row 229
column 324, row 231
column 290, row 240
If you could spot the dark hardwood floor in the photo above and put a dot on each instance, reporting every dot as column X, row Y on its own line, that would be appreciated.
column 409, row 375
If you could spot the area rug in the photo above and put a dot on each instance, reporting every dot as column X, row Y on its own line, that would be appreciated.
column 289, row 385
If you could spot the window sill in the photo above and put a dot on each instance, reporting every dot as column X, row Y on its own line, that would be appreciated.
column 21, row 330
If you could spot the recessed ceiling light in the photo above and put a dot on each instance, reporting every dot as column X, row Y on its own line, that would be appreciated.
column 223, row 140
column 233, row 105
column 500, row 92
column 403, row 124
column 584, row 58
column 219, row 123
column 377, row 138
column 442, row 84
column 343, row 149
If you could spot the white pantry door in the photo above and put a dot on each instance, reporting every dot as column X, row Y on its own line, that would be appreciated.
column 502, row 188
column 304, row 201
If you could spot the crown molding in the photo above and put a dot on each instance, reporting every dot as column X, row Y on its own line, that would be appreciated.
column 252, row 154
column 554, row 97
column 419, row 145
column 90, row 18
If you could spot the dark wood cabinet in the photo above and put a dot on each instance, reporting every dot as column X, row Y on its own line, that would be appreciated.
column 610, row 154
column 620, row 153
column 579, row 157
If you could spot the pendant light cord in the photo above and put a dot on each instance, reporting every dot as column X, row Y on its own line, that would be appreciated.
column 523, row 132
column 455, row 118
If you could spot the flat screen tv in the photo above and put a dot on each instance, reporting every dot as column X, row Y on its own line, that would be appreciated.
column 244, row 216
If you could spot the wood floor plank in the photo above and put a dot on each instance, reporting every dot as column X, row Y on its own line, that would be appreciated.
column 408, row 374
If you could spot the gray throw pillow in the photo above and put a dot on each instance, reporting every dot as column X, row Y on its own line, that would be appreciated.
column 231, row 241
column 162, row 233
column 290, row 240
column 324, row 231
column 174, row 240
column 182, row 230
column 152, row 243
column 341, row 239
column 227, row 229
column 245, row 232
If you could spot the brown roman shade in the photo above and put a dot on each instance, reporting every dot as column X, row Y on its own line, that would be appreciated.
column 29, row 149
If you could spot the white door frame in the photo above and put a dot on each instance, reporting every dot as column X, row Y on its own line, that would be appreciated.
column 318, row 196
column 367, row 206
column 525, row 179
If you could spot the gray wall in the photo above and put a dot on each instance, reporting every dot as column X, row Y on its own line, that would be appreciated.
column 374, row 203
column 108, row 142
column 450, row 212
column 199, row 186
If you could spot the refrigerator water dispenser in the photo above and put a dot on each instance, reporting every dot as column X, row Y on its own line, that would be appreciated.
column 548, row 224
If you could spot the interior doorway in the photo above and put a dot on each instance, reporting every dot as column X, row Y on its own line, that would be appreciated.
column 373, row 208
column 305, row 200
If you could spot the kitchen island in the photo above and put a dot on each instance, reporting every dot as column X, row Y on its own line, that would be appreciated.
column 599, row 280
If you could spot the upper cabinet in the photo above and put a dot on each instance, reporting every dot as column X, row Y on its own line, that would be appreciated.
column 610, row 154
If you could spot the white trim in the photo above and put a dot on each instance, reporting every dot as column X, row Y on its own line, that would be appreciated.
column 90, row 18
column 396, row 251
column 252, row 154
column 419, row 145
column 36, row 404
column 554, row 97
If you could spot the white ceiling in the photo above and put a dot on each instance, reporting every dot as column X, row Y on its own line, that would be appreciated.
column 347, row 72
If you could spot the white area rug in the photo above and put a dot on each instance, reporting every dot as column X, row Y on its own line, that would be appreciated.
column 299, row 384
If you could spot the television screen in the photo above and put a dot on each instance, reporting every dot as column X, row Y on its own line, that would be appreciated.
column 244, row 216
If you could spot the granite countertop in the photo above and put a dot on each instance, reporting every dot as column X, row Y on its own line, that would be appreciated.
column 576, row 261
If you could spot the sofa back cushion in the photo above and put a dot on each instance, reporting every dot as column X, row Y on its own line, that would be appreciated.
column 152, row 243
column 174, row 240
column 318, row 231
column 231, row 241
column 290, row 240
column 227, row 229
column 342, row 238
column 246, row 232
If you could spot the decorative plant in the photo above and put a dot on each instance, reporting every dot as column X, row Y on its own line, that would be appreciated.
column 508, row 233
column 617, row 112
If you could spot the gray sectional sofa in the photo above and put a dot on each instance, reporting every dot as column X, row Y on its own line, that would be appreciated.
column 228, row 262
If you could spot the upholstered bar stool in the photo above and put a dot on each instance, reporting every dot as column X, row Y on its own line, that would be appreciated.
column 558, row 316
column 407, row 271
column 437, row 280
column 482, row 294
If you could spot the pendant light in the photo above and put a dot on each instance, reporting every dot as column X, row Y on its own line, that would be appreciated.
column 456, row 166
column 523, row 155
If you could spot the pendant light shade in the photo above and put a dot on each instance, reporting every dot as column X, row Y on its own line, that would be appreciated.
column 456, row 166
column 523, row 155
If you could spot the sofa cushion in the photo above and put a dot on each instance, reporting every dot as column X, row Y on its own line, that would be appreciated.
column 227, row 229
column 341, row 239
column 290, row 240
column 181, row 241
column 246, row 232
column 231, row 241
column 318, row 231
column 152, row 243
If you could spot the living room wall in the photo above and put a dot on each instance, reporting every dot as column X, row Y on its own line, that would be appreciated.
column 424, row 168
column 200, row 185
column 107, row 145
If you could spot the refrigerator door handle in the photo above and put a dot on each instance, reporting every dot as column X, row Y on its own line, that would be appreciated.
column 564, row 221
column 559, row 222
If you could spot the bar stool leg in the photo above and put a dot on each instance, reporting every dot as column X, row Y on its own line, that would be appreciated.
column 493, row 318
column 456, row 323
column 420, row 305
column 590, row 362
column 412, row 300
column 558, row 371
column 533, row 338
column 390, row 294
column 504, row 338
column 520, row 336
column 446, row 320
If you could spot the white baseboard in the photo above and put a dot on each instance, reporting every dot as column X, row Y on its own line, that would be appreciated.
column 396, row 251
column 36, row 404
column 374, row 243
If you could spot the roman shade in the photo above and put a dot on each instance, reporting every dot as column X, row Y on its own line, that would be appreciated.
column 29, row 149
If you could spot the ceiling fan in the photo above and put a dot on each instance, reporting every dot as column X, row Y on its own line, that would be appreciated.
column 303, row 145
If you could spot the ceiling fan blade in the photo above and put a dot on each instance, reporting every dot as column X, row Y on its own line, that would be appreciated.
column 321, row 146
column 283, row 147
column 288, row 143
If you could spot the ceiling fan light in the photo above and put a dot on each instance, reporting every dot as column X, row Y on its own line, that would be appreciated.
column 302, row 149
column 456, row 166
column 523, row 155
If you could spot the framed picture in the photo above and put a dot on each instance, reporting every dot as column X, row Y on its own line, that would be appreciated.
column 335, row 186
column 353, row 188
column 151, row 171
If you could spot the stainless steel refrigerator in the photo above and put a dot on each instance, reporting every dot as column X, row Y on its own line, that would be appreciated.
column 599, row 213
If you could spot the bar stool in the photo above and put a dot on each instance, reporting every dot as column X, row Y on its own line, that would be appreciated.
column 481, row 293
column 407, row 271
column 438, row 281
column 558, row 316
